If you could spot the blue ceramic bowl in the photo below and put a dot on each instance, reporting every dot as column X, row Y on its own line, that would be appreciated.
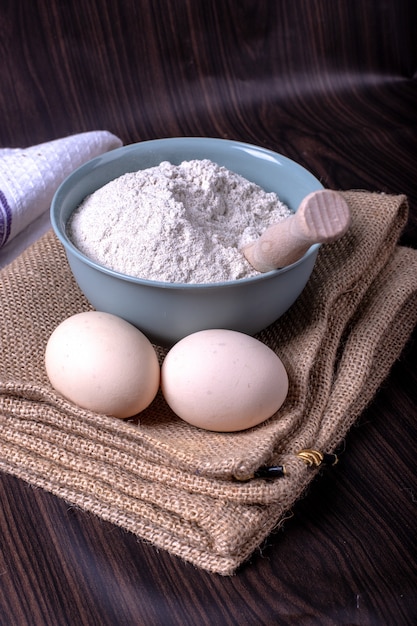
column 167, row 312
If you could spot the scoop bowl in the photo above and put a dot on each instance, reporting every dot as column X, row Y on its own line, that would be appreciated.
column 167, row 312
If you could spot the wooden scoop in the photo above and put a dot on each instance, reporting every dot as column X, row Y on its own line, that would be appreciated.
column 323, row 216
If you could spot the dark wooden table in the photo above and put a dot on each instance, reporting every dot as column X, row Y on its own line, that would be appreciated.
column 331, row 85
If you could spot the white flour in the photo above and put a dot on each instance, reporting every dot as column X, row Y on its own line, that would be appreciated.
column 175, row 223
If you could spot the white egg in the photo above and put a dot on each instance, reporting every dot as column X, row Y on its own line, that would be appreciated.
column 223, row 380
column 102, row 363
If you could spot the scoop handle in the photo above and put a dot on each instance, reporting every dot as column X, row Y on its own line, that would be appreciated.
column 323, row 216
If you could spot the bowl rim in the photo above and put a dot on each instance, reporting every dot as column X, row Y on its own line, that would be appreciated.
column 113, row 154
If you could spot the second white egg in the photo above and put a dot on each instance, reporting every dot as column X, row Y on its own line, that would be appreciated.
column 223, row 380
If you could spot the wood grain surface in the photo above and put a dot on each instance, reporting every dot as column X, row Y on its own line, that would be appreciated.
column 331, row 85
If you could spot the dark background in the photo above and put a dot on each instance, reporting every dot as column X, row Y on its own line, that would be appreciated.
column 332, row 85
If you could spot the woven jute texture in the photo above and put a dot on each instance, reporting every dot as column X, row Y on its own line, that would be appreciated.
column 186, row 490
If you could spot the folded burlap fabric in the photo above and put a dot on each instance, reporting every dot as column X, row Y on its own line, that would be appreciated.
column 200, row 495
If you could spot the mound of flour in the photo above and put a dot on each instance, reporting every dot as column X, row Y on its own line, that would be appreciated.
column 180, row 223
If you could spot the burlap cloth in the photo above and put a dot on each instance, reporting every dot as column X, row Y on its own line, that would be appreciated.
column 185, row 490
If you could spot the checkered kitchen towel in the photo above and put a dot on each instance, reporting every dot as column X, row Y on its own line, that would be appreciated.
column 29, row 178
